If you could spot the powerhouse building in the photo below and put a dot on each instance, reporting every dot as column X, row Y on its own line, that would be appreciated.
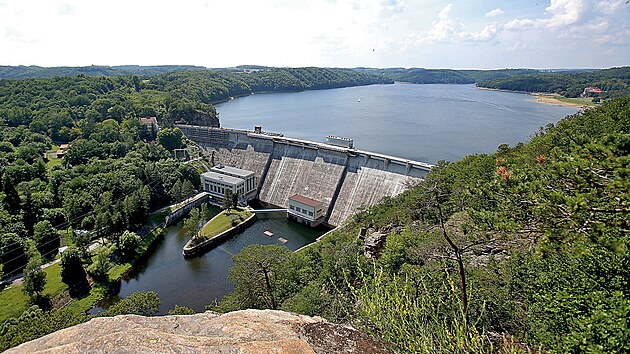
column 306, row 210
column 220, row 179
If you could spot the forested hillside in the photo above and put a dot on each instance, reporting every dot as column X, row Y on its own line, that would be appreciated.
column 522, row 250
column 615, row 82
column 447, row 76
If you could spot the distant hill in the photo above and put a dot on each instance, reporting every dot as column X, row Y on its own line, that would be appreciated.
column 446, row 76
column 39, row 72
column 613, row 82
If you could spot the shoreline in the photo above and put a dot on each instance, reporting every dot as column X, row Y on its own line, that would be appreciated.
column 553, row 99
column 543, row 97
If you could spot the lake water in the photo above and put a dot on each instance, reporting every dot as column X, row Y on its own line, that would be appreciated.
column 421, row 122
column 197, row 282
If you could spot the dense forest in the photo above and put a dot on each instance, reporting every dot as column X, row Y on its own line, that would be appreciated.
column 523, row 250
column 613, row 82
column 447, row 76
column 38, row 72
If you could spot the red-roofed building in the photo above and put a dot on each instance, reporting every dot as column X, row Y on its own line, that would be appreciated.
column 306, row 210
column 588, row 91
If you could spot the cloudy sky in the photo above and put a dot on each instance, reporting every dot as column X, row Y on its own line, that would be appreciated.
column 480, row 34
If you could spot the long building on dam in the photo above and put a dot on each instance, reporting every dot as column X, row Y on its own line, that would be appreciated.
column 341, row 177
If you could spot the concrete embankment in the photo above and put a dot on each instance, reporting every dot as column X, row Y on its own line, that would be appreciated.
column 344, row 179
column 192, row 249
column 184, row 207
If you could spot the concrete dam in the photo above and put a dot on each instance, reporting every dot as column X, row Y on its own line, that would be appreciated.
column 344, row 179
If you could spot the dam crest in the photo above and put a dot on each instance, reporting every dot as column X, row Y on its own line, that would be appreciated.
column 344, row 179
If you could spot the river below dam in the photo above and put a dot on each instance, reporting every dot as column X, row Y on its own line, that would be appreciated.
column 420, row 122
column 425, row 123
column 200, row 281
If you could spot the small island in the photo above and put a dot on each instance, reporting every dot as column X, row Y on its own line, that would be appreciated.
column 226, row 224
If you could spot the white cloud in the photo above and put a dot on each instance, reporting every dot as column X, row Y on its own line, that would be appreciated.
column 444, row 27
column 66, row 9
column 565, row 12
column 486, row 34
column 494, row 13
column 312, row 32
column 519, row 23
column 448, row 28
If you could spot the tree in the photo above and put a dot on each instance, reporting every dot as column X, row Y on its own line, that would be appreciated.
column 234, row 200
column 128, row 243
column 12, row 253
column 72, row 272
column 101, row 264
column 46, row 239
column 258, row 276
column 34, row 279
column 29, row 216
column 171, row 138
column 227, row 200
column 181, row 310
column 11, row 197
column 144, row 303
column 192, row 223
column 187, row 189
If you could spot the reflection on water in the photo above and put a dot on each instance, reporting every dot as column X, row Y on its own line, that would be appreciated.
column 197, row 282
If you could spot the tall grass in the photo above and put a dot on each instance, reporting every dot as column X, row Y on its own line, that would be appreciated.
column 420, row 315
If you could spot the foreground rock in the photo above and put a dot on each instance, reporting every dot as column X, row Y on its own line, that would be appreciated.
column 248, row 331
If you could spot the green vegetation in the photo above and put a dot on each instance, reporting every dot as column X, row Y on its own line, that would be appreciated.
column 223, row 221
column 614, row 82
column 541, row 230
column 24, row 72
column 447, row 76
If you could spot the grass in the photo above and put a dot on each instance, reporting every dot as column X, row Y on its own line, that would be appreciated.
column 13, row 301
column 53, row 161
column 158, row 218
column 578, row 101
column 222, row 222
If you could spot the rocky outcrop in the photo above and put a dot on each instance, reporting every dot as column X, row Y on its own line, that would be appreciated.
column 248, row 331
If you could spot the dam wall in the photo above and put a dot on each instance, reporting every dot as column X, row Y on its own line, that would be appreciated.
column 344, row 179
column 298, row 169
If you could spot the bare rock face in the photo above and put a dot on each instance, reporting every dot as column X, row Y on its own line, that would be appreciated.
column 248, row 331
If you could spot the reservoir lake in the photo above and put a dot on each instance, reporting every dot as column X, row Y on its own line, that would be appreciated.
column 420, row 122
column 425, row 123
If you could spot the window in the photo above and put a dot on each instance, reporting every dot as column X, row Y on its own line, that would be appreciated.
column 291, row 207
column 310, row 213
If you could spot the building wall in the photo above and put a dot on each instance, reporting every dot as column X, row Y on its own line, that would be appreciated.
column 306, row 211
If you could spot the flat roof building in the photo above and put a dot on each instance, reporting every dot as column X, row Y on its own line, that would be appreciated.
column 246, row 175
column 306, row 210
column 220, row 179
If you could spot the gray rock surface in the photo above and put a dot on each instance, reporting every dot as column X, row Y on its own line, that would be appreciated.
column 248, row 331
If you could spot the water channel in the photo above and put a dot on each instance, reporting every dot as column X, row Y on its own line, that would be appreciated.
column 197, row 282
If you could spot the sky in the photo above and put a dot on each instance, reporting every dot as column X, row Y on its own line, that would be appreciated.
column 470, row 34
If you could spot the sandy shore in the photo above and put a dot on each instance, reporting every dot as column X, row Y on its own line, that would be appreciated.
column 553, row 100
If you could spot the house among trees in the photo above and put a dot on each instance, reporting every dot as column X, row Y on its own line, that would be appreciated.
column 591, row 91
column 63, row 148
column 149, row 127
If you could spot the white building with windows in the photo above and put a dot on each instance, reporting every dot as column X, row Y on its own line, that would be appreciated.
column 306, row 210
column 220, row 179
column 246, row 175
